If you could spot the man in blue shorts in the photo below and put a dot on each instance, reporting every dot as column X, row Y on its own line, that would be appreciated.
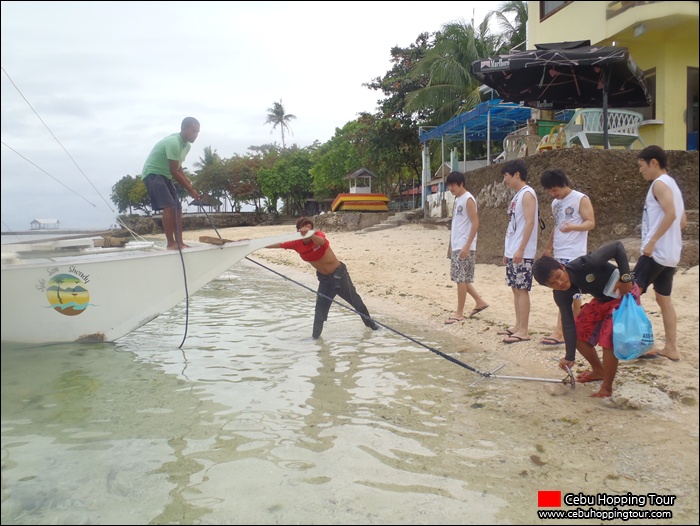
column 162, row 168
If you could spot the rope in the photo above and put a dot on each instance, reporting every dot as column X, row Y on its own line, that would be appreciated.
column 184, row 278
column 431, row 349
column 184, row 271
column 333, row 300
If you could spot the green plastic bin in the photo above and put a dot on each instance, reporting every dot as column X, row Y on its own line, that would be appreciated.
column 544, row 127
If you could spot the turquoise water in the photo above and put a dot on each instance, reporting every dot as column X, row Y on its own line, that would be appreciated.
column 250, row 422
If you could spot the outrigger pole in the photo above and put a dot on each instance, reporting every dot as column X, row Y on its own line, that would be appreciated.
column 569, row 379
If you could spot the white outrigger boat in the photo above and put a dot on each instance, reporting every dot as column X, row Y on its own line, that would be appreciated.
column 75, row 291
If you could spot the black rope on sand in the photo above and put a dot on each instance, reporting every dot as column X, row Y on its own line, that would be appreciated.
column 431, row 349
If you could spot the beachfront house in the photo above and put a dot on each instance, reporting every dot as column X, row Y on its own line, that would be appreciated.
column 663, row 39
column 45, row 224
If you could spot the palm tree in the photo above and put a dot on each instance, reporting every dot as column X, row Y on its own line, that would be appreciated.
column 277, row 117
column 513, row 32
column 58, row 280
column 210, row 158
column 452, row 89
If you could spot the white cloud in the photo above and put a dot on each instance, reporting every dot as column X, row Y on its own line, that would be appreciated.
column 110, row 79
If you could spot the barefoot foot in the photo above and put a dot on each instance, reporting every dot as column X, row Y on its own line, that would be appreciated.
column 671, row 355
column 589, row 376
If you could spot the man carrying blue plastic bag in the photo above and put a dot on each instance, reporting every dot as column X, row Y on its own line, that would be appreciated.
column 592, row 274
column 633, row 333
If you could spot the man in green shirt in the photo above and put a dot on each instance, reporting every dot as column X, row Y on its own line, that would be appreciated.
column 163, row 167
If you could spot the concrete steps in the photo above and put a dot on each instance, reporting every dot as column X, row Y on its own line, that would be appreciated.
column 399, row 218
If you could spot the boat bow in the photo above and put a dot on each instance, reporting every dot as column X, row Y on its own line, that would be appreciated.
column 69, row 294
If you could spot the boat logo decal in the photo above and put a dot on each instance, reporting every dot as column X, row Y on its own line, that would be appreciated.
column 67, row 293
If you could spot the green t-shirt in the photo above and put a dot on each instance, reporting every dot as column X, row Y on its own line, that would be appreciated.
column 171, row 148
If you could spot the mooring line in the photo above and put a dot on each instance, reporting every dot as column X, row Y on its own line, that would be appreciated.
column 569, row 379
column 431, row 349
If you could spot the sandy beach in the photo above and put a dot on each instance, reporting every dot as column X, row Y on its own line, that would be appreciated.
column 403, row 273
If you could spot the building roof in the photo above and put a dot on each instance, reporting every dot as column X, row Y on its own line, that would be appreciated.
column 362, row 172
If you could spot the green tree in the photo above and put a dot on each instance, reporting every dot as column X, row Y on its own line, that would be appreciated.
column 243, row 180
column 398, row 82
column 139, row 198
column 452, row 89
column 277, row 117
column 264, row 157
column 511, row 17
column 389, row 148
column 333, row 160
column 210, row 158
column 289, row 179
column 129, row 193
column 213, row 179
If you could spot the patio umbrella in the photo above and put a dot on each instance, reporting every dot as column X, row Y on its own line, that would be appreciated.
column 565, row 75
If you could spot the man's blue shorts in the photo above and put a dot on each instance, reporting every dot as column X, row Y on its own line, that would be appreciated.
column 162, row 192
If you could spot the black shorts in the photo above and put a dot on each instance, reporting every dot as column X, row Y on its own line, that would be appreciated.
column 649, row 272
column 162, row 192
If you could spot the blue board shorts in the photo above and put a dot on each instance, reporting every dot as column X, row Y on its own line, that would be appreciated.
column 162, row 192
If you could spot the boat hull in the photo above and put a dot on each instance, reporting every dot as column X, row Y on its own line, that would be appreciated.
column 102, row 297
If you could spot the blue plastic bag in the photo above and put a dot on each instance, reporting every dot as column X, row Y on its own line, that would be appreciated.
column 633, row 334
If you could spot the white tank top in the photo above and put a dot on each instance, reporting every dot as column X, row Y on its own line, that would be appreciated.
column 667, row 251
column 461, row 224
column 569, row 245
column 516, row 225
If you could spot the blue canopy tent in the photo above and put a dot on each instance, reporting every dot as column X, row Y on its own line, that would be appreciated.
column 489, row 121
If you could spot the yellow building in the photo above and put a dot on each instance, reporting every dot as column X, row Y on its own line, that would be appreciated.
column 662, row 38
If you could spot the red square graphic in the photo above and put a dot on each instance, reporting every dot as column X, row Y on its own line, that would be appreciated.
column 549, row 499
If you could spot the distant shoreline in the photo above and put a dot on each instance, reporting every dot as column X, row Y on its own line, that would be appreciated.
column 51, row 232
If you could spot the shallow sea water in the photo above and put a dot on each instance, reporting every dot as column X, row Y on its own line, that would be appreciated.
column 251, row 421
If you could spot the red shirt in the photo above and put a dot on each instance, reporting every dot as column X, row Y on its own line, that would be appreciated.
column 308, row 251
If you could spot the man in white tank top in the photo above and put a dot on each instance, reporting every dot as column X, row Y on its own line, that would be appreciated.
column 663, row 220
column 520, row 247
column 573, row 218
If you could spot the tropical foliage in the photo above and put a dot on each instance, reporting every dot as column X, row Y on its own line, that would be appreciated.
column 129, row 193
column 429, row 83
column 277, row 117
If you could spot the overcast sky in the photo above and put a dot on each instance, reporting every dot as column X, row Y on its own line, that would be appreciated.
column 110, row 79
